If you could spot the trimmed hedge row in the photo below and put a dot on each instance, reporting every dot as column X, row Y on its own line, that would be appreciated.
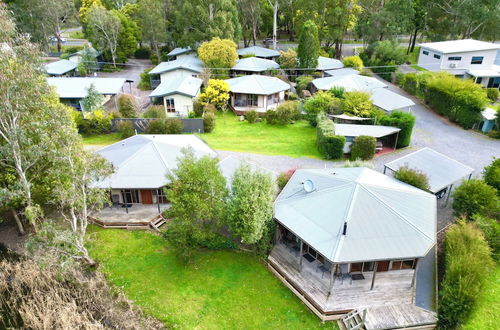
column 402, row 120
column 331, row 146
column 363, row 147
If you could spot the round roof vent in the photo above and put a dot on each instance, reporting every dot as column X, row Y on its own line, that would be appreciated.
column 308, row 186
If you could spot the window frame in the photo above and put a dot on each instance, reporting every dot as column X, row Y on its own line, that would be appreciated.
column 475, row 60
column 170, row 105
column 437, row 56
column 425, row 52
column 454, row 58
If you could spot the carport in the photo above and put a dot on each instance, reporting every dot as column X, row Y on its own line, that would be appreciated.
column 442, row 171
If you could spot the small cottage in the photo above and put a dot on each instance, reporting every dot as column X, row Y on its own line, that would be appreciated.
column 260, row 52
column 177, row 95
column 185, row 66
column 253, row 65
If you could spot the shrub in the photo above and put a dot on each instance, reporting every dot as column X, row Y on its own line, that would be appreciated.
column 358, row 163
column 96, row 122
column 154, row 59
column 127, row 106
column 331, row 146
column 154, row 111
column 492, row 94
column 142, row 53
column 491, row 230
column 287, row 112
column 209, row 121
column 251, row 116
column 357, row 103
column 288, row 59
column 126, row 129
column 291, row 96
column 174, row 126
column 494, row 134
column 156, row 126
column 216, row 93
column 145, row 82
column 284, row 177
column 303, row 83
column 475, row 197
column 363, row 147
column 337, row 91
column 468, row 263
column 198, row 108
column 209, row 107
column 354, row 62
column 491, row 174
column 413, row 177
column 271, row 117
column 321, row 102
column 402, row 120
column 384, row 57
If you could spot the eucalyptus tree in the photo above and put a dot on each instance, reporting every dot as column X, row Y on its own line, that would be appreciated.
column 104, row 28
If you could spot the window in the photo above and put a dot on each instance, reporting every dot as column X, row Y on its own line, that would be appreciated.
column 479, row 80
column 402, row 264
column 494, row 82
column 425, row 52
column 454, row 58
column 437, row 56
column 170, row 104
column 160, row 196
column 130, row 196
column 477, row 60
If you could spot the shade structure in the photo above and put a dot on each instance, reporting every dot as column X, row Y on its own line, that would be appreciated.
column 377, row 131
column 442, row 171
column 357, row 214
column 59, row 68
column 143, row 161
column 389, row 101
column 350, row 82
column 326, row 63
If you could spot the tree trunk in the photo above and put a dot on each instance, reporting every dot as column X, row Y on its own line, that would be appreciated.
column 275, row 21
column 414, row 42
column 20, row 226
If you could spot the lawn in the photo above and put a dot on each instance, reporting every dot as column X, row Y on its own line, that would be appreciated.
column 413, row 56
column 102, row 139
column 217, row 290
column 485, row 313
column 296, row 140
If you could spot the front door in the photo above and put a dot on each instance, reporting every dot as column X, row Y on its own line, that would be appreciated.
column 382, row 266
column 147, row 197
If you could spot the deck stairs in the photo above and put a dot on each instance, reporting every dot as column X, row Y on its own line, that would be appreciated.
column 354, row 320
column 157, row 222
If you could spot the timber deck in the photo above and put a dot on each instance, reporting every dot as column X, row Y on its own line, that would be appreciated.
column 399, row 317
column 139, row 216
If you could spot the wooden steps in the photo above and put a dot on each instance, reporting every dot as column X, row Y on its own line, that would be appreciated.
column 157, row 222
column 354, row 320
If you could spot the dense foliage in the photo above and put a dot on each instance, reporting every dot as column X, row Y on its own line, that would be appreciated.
column 383, row 57
column 303, row 83
column 309, row 46
column 218, row 54
column 127, row 106
column 475, row 197
column 125, row 128
column 491, row 230
column 402, row 120
column 286, row 113
column 331, row 146
column 251, row 116
column 354, row 62
column 363, row 147
column 491, row 174
column 209, row 119
column 216, row 93
column 413, row 177
column 321, row 102
column 357, row 103
column 154, row 111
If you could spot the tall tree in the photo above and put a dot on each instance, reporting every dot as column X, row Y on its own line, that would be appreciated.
column 275, row 6
column 85, row 8
column 200, row 20
column 308, row 50
column 44, row 19
column 340, row 17
column 104, row 29
column 250, row 18
column 419, row 22
column 128, row 38
column 153, row 24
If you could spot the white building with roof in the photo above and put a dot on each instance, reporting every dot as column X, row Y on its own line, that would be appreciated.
column 141, row 164
column 61, row 68
column 180, row 52
column 185, row 66
column 178, row 94
column 255, row 92
column 259, row 52
column 326, row 64
column 466, row 58
column 253, row 65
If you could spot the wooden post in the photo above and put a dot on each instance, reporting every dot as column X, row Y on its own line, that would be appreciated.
column 396, row 143
column 414, row 273
column 332, row 278
column 374, row 273
column 300, row 256
column 276, row 234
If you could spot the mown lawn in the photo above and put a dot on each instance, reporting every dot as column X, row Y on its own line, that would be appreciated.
column 296, row 140
column 218, row 290
column 101, row 139
column 485, row 313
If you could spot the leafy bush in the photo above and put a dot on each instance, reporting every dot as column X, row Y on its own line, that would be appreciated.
column 358, row 163
column 154, row 111
column 287, row 112
column 363, row 147
column 174, row 126
column 494, row 134
column 491, row 230
column 96, row 122
column 303, row 83
column 321, row 102
column 145, row 82
column 209, row 107
column 126, row 129
column 491, row 174
column 154, row 59
column 384, row 57
column 354, row 62
column 413, row 177
column 357, row 103
column 216, row 93
column 468, row 263
column 271, row 117
column 142, row 53
column 475, row 197
column 337, row 91
column 402, row 120
column 198, row 108
column 251, row 116
column 415, row 83
column 127, row 106
column 284, row 177
column 291, row 96
column 156, row 126
column 209, row 121
column 492, row 94
column 331, row 146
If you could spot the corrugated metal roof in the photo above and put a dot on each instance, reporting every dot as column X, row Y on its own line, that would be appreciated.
column 143, row 161
column 258, row 51
column 254, row 64
column 458, row 46
column 95, row 53
column 376, row 131
column 484, row 73
column 386, row 219
column 179, row 51
column 188, row 86
column 325, row 63
column 190, row 63
column 350, row 82
column 60, row 67
column 341, row 72
column 77, row 88
column 388, row 100
column 441, row 170
column 230, row 164
column 256, row 84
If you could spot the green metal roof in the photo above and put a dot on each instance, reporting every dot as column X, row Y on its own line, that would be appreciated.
column 257, row 84
column 254, row 64
column 188, row 86
column 59, row 68
column 189, row 63
column 258, row 51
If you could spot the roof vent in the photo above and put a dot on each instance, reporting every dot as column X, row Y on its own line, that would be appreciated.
column 308, row 186
column 344, row 230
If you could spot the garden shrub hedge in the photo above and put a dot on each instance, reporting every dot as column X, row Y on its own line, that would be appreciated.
column 363, row 147
column 331, row 146
column 251, row 116
column 208, row 121
column 287, row 112
column 402, row 120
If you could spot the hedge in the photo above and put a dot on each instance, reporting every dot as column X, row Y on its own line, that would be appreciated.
column 402, row 120
column 331, row 146
column 363, row 147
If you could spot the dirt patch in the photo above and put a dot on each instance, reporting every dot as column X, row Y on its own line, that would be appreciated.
column 9, row 236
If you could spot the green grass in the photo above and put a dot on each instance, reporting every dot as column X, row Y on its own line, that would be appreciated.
column 296, row 140
column 419, row 68
column 102, row 139
column 485, row 313
column 413, row 56
column 218, row 290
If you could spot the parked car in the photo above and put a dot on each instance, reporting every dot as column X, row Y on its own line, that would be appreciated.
column 54, row 39
column 268, row 42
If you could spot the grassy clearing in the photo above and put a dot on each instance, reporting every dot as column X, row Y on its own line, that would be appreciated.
column 413, row 56
column 218, row 290
column 102, row 139
column 297, row 140
column 484, row 315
